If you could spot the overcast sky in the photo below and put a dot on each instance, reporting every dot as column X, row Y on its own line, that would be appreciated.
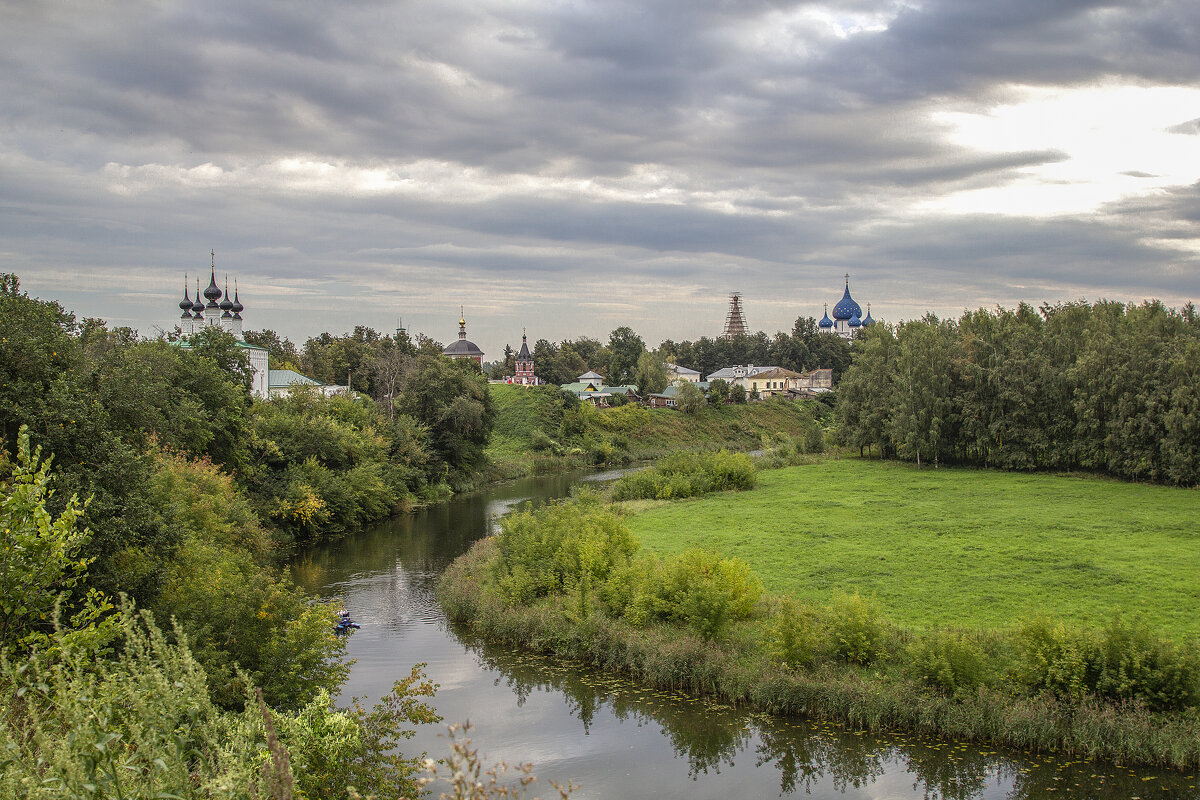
column 572, row 166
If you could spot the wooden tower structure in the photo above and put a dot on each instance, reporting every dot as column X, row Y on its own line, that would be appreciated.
column 735, row 320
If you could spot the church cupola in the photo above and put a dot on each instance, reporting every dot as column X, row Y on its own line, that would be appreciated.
column 237, row 309
column 847, row 314
column 198, row 304
column 846, row 307
column 826, row 323
column 185, row 304
column 226, row 306
column 463, row 348
column 212, row 293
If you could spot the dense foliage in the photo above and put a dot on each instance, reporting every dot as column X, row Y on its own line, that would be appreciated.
column 685, row 474
column 133, row 718
column 1106, row 387
column 172, row 486
column 582, row 550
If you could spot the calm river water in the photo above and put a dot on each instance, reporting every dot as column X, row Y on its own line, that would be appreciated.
column 614, row 739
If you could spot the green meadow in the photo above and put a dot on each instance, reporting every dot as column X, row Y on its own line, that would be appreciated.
column 954, row 547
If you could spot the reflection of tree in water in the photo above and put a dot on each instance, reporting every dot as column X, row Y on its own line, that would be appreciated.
column 948, row 770
column 805, row 754
column 1041, row 776
column 708, row 735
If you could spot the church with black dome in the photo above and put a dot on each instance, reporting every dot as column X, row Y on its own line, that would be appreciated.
column 464, row 348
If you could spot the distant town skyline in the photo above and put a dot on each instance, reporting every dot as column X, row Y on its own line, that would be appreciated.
column 571, row 168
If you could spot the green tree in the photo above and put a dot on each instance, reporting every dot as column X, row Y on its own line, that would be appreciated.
column 923, row 416
column 650, row 376
column 690, row 399
column 865, row 393
column 39, row 556
column 718, row 392
column 625, row 348
column 453, row 402
column 280, row 350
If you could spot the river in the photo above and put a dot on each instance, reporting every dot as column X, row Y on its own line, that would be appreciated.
column 614, row 739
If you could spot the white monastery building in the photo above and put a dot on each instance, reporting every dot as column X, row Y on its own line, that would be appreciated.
column 226, row 314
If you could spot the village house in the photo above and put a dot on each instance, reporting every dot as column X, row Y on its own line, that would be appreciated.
column 678, row 373
column 592, row 390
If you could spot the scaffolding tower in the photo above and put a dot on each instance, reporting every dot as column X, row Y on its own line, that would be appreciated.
column 735, row 320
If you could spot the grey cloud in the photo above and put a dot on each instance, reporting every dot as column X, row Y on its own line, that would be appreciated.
column 1191, row 127
column 816, row 145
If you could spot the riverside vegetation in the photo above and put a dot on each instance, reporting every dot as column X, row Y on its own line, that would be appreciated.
column 572, row 580
column 152, row 642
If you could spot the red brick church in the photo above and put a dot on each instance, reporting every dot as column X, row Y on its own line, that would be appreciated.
column 524, row 364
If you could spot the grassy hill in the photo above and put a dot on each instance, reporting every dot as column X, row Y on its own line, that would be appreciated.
column 955, row 547
column 537, row 431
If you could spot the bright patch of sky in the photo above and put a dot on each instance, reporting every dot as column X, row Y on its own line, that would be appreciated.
column 1117, row 141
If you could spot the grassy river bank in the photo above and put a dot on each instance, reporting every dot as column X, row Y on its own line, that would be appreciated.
column 1034, row 666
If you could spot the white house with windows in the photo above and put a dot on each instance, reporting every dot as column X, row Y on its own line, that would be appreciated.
column 678, row 373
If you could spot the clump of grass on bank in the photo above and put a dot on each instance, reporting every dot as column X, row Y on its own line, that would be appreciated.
column 570, row 581
column 955, row 547
column 540, row 429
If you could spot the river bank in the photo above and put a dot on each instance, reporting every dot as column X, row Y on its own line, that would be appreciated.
column 612, row 735
column 1117, row 694
column 667, row 657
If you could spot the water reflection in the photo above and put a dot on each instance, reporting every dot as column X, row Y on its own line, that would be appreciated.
column 618, row 739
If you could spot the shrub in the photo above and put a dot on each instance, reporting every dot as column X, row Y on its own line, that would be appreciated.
column 1124, row 662
column 699, row 588
column 539, row 441
column 1133, row 664
column 686, row 474
column 562, row 546
column 948, row 660
column 857, row 631
column 794, row 635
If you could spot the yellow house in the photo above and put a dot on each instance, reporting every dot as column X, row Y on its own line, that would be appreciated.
column 770, row 382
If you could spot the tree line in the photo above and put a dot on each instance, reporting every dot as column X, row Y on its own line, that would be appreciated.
column 1105, row 387
column 626, row 359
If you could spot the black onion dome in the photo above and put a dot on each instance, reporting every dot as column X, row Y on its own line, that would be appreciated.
column 186, row 303
column 198, row 304
column 462, row 347
column 212, row 293
column 226, row 304
column 238, row 308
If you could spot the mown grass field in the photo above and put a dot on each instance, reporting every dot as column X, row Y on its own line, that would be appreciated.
column 951, row 547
